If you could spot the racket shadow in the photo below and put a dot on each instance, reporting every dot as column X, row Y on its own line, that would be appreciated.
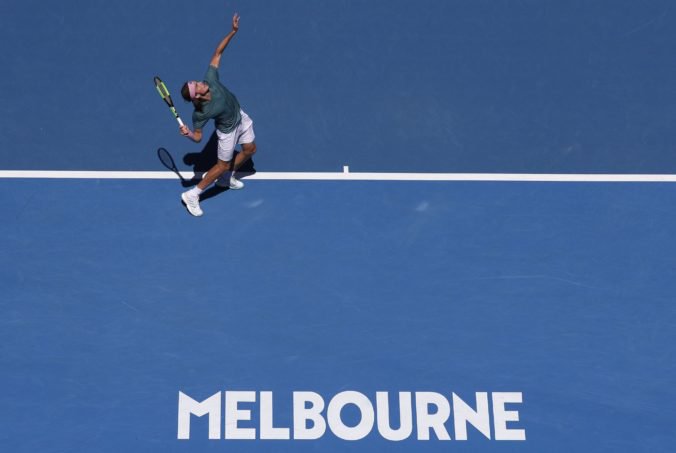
column 168, row 161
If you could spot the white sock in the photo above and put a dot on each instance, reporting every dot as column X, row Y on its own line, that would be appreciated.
column 195, row 191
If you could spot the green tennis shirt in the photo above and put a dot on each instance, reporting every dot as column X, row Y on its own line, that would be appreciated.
column 223, row 106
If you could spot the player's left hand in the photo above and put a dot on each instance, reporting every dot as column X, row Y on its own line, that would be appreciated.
column 235, row 22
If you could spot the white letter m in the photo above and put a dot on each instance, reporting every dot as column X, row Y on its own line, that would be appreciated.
column 188, row 406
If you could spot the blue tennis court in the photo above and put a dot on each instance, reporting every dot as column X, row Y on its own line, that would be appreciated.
column 559, row 291
column 341, row 315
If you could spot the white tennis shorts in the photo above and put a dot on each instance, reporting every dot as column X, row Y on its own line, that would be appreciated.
column 244, row 133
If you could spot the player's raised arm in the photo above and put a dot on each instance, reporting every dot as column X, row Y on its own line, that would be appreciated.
column 216, row 59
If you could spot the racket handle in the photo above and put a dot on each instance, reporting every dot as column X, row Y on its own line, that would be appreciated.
column 180, row 122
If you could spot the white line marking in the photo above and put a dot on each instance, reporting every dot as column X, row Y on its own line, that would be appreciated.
column 334, row 176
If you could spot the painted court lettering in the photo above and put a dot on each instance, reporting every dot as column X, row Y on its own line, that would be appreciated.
column 437, row 416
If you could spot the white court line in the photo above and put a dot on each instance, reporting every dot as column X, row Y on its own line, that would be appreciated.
column 346, row 176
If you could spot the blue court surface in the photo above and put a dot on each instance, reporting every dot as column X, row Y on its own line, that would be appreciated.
column 341, row 315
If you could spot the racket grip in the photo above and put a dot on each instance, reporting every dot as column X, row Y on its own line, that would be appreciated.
column 180, row 122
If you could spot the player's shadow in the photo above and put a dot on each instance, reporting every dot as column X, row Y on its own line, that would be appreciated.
column 201, row 162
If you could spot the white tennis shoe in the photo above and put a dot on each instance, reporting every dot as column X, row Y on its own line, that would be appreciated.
column 192, row 203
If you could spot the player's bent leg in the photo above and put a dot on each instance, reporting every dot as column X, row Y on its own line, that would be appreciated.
column 224, row 178
column 213, row 174
column 248, row 150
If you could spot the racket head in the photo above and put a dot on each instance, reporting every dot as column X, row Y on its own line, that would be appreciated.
column 164, row 92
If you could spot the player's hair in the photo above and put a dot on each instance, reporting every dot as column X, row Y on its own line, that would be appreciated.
column 185, row 92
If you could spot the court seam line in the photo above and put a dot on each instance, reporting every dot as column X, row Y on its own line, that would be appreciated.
column 348, row 176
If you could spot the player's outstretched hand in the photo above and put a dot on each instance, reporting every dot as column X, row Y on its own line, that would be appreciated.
column 184, row 130
column 235, row 22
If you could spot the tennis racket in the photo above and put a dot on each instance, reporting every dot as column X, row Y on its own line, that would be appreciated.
column 164, row 93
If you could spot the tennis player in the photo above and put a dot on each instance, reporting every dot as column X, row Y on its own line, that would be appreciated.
column 214, row 101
